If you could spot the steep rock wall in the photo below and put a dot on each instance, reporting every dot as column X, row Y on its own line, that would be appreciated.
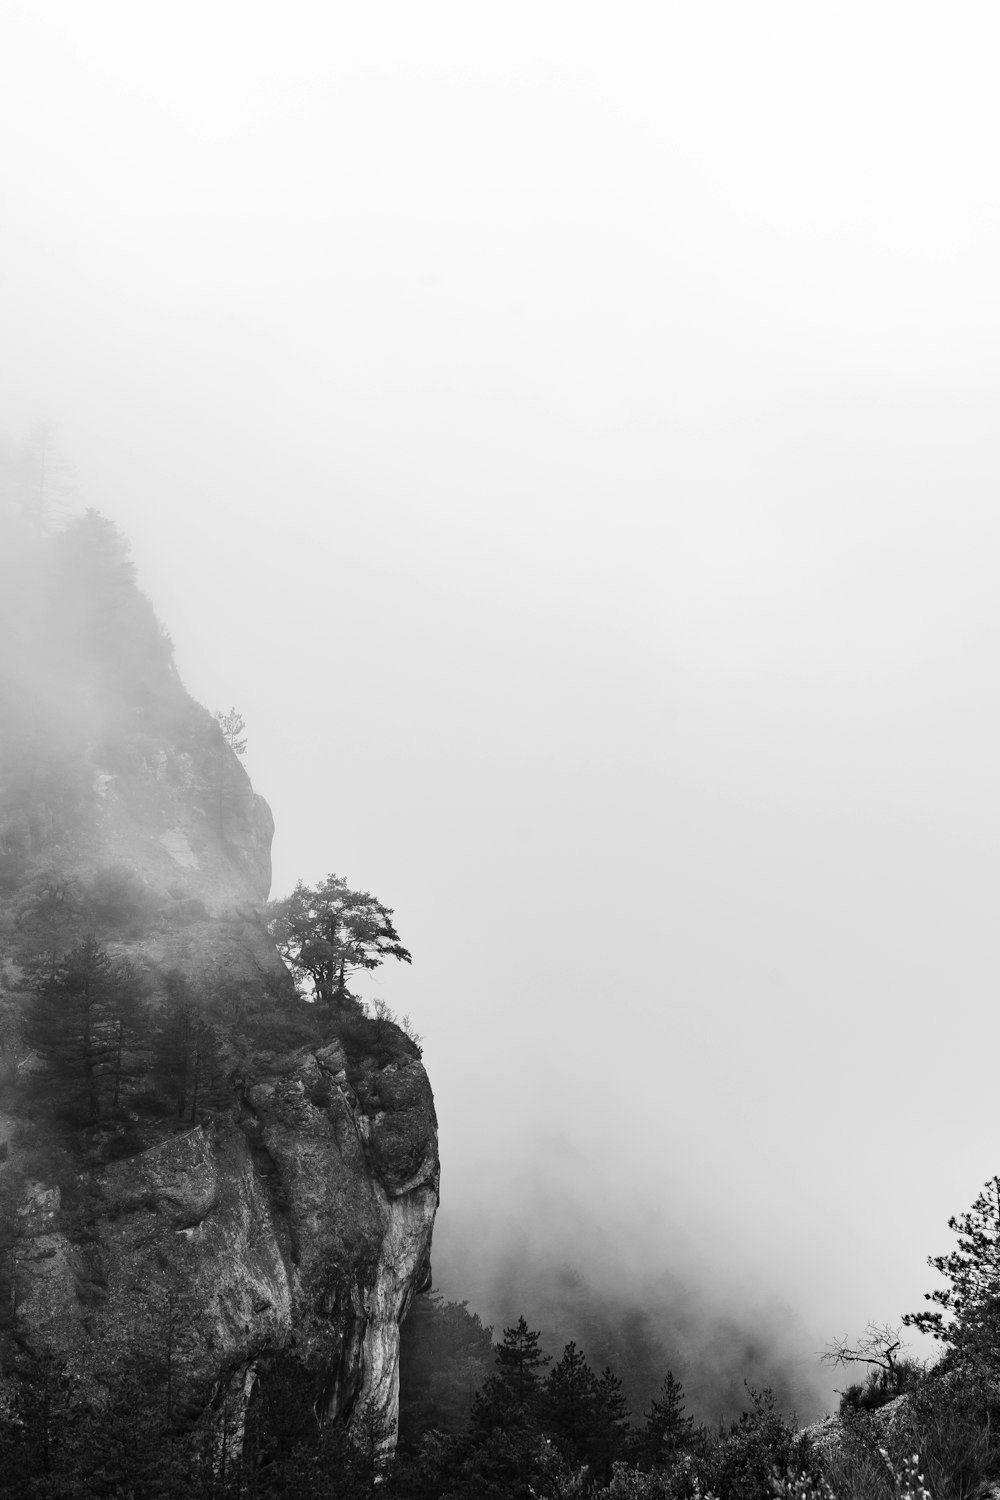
column 291, row 1215
column 284, row 1229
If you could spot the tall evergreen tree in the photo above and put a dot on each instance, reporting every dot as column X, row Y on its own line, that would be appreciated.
column 609, row 1432
column 520, row 1359
column 569, row 1398
column 966, row 1316
column 668, row 1429
column 509, row 1399
column 70, row 1021
column 187, row 1056
column 47, row 922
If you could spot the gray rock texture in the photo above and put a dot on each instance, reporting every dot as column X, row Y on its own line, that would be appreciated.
column 290, row 1216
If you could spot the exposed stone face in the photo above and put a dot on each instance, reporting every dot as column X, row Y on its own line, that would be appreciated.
column 300, row 1216
column 296, row 1215
column 276, row 1231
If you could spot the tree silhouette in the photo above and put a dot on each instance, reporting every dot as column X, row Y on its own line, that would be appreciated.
column 232, row 725
column 966, row 1314
column 47, row 923
column 520, row 1358
column 668, row 1430
column 569, row 1398
column 327, row 933
column 608, row 1433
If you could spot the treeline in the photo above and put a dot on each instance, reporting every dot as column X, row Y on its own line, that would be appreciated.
column 87, row 1031
column 99, row 1037
column 96, row 1039
column 535, row 1427
column 111, row 1050
column 558, row 1427
column 485, row 1420
column 530, row 1430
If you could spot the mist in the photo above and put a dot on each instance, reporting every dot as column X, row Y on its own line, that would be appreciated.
column 569, row 441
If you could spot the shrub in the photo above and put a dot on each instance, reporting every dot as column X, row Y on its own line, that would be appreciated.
column 882, row 1386
column 952, row 1422
column 884, row 1479
column 364, row 1037
column 760, row 1444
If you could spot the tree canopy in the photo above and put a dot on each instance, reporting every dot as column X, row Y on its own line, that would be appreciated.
column 326, row 933
column 966, row 1315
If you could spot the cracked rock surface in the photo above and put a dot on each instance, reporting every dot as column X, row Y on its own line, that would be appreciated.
column 291, row 1215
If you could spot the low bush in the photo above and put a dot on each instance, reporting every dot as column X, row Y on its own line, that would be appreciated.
column 365, row 1038
column 953, row 1422
column 882, row 1386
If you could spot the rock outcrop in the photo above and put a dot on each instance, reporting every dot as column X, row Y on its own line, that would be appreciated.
column 302, row 1225
column 284, row 1214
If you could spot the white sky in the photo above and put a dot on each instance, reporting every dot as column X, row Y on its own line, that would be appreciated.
column 568, row 433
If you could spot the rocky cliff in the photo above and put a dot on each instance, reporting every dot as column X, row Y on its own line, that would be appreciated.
column 269, row 1221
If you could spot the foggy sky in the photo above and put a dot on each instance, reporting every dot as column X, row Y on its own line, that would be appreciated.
column 568, row 434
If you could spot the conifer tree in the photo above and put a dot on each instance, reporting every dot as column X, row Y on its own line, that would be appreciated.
column 47, row 923
column 232, row 725
column 966, row 1314
column 668, row 1430
column 570, row 1397
column 509, row 1399
column 328, row 932
column 187, row 1057
column 520, row 1358
column 609, row 1427
column 70, row 1021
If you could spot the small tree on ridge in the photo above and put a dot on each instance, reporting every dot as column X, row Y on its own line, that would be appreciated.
column 966, row 1314
column 328, row 932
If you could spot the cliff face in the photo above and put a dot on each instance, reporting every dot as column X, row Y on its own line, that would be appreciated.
column 286, row 1231
column 280, row 1211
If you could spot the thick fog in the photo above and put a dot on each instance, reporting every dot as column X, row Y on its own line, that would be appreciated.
column 567, row 433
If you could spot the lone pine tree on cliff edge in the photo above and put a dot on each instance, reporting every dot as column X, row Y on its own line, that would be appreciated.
column 328, row 932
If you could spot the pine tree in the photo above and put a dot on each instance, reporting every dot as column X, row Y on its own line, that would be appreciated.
column 70, row 1022
column 668, row 1430
column 187, row 1056
column 508, row 1400
column 520, row 1358
column 100, row 617
column 232, row 725
column 570, row 1397
column 967, row 1313
column 328, row 932
column 47, row 922
column 609, row 1434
